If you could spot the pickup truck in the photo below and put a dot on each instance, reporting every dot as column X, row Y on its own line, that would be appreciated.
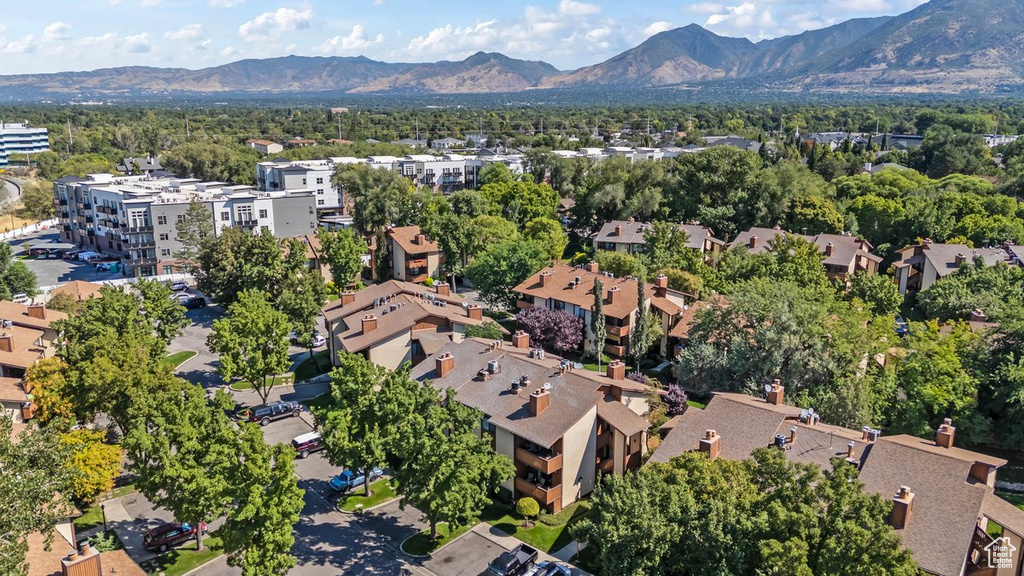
column 516, row 562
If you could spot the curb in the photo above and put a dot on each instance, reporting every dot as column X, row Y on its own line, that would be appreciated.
column 204, row 565
column 401, row 546
column 365, row 510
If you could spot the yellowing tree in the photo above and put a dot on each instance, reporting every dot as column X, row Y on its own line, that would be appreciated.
column 94, row 463
column 46, row 383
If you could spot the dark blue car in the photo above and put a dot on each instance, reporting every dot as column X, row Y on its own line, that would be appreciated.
column 349, row 479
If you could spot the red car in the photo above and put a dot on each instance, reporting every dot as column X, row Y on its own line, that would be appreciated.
column 169, row 535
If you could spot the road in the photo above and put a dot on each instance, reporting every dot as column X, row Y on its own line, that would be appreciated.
column 13, row 190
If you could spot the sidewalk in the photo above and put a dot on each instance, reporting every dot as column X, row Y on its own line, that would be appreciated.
column 127, row 530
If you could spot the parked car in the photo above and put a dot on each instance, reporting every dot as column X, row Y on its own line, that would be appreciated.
column 306, row 444
column 87, row 256
column 72, row 254
column 515, row 562
column 552, row 569
column 350, row 479
column 266, row 413
column 170, row 534
column 902, row 328
column 318, row 339
column 194, row 302
column 179, row 285
column 111, row 266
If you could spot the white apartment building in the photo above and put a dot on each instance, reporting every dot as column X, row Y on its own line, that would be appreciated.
column 312, row 175
column 134, row 218
column 20, row 141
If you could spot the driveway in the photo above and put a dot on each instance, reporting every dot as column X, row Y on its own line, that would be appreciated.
column 467, row 556
column 201, row 368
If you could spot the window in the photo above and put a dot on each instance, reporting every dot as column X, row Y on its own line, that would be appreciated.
column 168, row 270
column 225, row 216
column 164, row 236
column 181, row 217
column 310, row 209
column 110, row 244
column 319, row 180
column 165, row 251
column 319, row 202
column 263, row 213
column 161, row 220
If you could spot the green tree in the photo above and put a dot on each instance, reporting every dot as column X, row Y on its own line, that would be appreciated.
column 302, row 293
column 212, row 162
column 503, row 267
column 520, row 201
column 487, row 331
column 37, row 198
column 252, row 342
column 643, row 333
column 15, row 275
column 944, row 152
column 259, row 532
column 998, row 291
column 1001, row 366
column 664, row 245
column 94, row 464
column 878, row 219
column 814, row 215
column 343, row 252
column 194, row 231
column 878, row 292
column 598, row 321
column 527, row 508
column 36, row 484
column 619, row 264
column 379, row 199
column 548, row 233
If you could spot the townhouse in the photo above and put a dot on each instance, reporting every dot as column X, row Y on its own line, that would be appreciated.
column 570, row 289
column 944, row 504
column 413, row 257
column 264, row 147
column 19, row 141
column 844, row 254
column 135, row 217
column 628, row 236
column 397, row 322
column 921, row 265
column 562, row 427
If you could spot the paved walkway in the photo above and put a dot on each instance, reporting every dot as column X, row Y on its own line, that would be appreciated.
column 127, row 529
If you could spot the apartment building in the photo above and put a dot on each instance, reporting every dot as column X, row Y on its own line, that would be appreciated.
column 18, row 141
column 844, row 254
column 26, row 336
column 414, row 258
column 942, row 496
column 445, row 173
column 561, row 427
column 628, row 236
column 302, row 175
column 921, row 266
column 570, row 289
column 397, row 322
column 134, row 217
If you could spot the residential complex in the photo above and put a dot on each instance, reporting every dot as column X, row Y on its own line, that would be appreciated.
column 942, row 496
column 561, row 427
column 397, row 322
column 413, row 257
column 27, row 335
column 19, row 141
column 920, row 266
column 628, row 236
column 844, row 254
column 134, row 217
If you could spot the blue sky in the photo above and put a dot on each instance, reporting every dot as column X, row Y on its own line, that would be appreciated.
column 56, row 35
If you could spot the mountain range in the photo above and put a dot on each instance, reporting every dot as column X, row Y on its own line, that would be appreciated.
column 943, row 46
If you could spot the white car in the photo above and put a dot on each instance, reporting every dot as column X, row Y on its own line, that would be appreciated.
column 179, row 285
column 87, row 256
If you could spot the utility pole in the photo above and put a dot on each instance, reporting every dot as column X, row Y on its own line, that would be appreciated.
column 339, row 126
column 188, row 133
column 71, row 139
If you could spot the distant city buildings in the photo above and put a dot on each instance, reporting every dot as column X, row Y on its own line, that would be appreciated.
column 135, row 217
column 20, row 141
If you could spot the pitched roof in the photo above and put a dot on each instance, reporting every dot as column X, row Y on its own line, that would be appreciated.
column 26, row 351
column 618, row 416
column 364, row 299
column 633, row 233
column 562, row 286
column 80, row 290
column 943, row 257
column 845, row 247
column 408, row 311
column 11, row 390
column 405, row 236
column 688, row 316
column 18, row 314
column 1003, row 513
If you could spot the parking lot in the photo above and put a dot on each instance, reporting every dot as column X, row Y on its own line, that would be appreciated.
column 50, row 271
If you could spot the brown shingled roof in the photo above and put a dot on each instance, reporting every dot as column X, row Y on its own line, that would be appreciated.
column 18, row 313
column 405, row 236
column 11, row 390
column 561, row 286
column 616, row 414
column 79, row 290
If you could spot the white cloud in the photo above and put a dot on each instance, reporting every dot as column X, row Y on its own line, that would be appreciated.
column 187, row 33
column 270, row 25
column 24, row 45
column 706, row 8
column 57, row 31
column 747, row 19
column 139, row 43
column 574, row 8
column 355, row 40
column 656, row 27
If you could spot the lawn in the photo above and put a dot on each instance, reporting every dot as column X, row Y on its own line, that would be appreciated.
column 421, row 544
column 314, row 404
column 695, row 404
column 92, row 516
column 380, row 491
column 178, row 358
column 282, row 380
column 185, row 559
column 592, row 365
column 319, row 364
column 549, row 533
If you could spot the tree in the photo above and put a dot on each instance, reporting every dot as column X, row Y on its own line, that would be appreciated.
column 442, row 448
column 527, row 508
column 379, row 199
column 878, row 292
column 94, row 464
column 35, row 485
column 643, row 334
column 259, row 532
column 944, row 152
column 194, row 231
column 487, row 331
column 503, row 267
column 878, row 219
column 521, row 201
column 1001, row 366
column 301, row 294
column 619, row 264
column 675, row 400
column 343, row 252
column 664, row 245
column 37, row 198
column 598, row 322
column 252, row 342
column 47, row 382
column 15, row 276
column 212, row 162
column 997, row 290
column 183, row 451
column 63, row 302
column 548, row 233
column 554, row 329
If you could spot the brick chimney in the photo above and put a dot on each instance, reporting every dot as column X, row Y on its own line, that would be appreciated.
column 420, row 239
column 83, row 563
column 944, row 435
column 959, row 259
column 902, row 508
column 444, row 364
column 830, row 248
column 6, row 343
column 539, row 401
column 475, row 312
column 710, row 444
column 521, row 340
column 369, row 323
column 776, row 393
column 616, row 370
column 442, row 289
column 347, row 298
column 752, row 243
column 545, row 278
column 612, row 293
column 618, row 229
column 37, row 311
column 661, row 285
column 592, row 267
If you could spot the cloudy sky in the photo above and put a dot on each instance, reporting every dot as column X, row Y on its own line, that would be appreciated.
column 57, row 35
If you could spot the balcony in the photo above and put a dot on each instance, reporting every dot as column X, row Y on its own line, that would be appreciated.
column 137, row 228
column 543, row 496
column 247, row 223
column 142, row 244
column 606, row 466
column 614, row 350
column 545, row 465
column 142, row 261
column 417, row 279
column 417, row 263
column 524, row 304
column 617, row 331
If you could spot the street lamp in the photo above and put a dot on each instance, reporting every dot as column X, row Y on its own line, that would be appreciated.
column 103, row 510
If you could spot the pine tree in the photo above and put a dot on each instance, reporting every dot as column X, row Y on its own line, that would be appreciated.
column 597, row 321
